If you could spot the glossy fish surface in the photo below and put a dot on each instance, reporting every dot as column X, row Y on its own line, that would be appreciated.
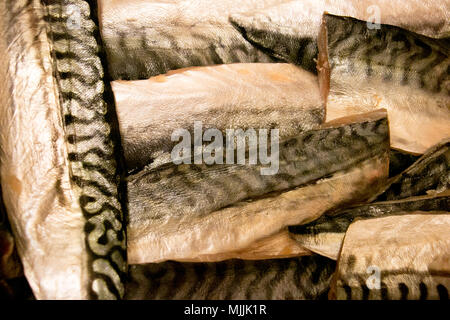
column 184, row 214
column 144, row 38
column 395, row 257
column 429, row 174
column 58, row 171
column 234, row 96
column 325, row 235
column 295, row 278
column 289, row 30
column 276, row 246
column 362, row 69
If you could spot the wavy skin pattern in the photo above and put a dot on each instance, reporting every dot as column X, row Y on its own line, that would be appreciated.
column 296, row 278
column 89, row 125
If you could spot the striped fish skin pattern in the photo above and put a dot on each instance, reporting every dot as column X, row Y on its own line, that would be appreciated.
column 288, row 31
column 145, row 38
column 429, row 174
column 280, row 279
column 91, row 138
column 325, row 235
column 408, row 74
column 187, row 190
column 399, row 161
column 232, row 96
column 410, row 251
column 345, row 176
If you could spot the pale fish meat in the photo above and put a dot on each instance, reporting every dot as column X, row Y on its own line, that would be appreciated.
column 429, row 174
column 325, row 235
column 58, row 166
column 362, row 69
column 276, row 246
column 295, row 278
column 395, row 257
column 175, row 211
column 289, row 30
column 144, row 38
column 234, row 96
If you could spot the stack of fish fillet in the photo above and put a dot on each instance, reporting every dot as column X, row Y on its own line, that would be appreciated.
column 357, row 208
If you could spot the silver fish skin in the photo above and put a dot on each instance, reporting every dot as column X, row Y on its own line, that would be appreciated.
column 325, row 235
column 295, row 278
column 288, row 31
column 409, row 255
column 173, row 209
column 429, row 174
column 58, row 173
column 145, row 38
column 233, row 96
column 361, row 69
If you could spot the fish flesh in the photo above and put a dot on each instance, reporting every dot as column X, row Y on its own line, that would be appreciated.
column 362, row 69
column 233, row 96
column 59, row 170
column 295, row 278
column 277, row 246
column 429, row 174
column 395, row 257
column 188, row 210
column 144, row 38
column 325, row 235
column 288, row 31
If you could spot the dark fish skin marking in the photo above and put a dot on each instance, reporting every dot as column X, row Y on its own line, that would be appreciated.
column 365, row 292
column 348, row 291
column 399, row 161
column 429, row 172
column 423, row 291
column 112, row 201
column 384, row 291
column 404, row 290
column 237, row 278
column 442, row 291
column 351, row 262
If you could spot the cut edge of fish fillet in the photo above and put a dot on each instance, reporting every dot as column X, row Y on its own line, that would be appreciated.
column 323, row 66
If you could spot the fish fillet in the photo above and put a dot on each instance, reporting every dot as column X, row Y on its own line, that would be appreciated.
column 362, row 69
column 296, row 278
column 411, row 254
column 174, row 222
column 429, row 174
column 325, row 235
column 58, row 170
column 288, row 31
column 237, row 96
column 144, row 38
